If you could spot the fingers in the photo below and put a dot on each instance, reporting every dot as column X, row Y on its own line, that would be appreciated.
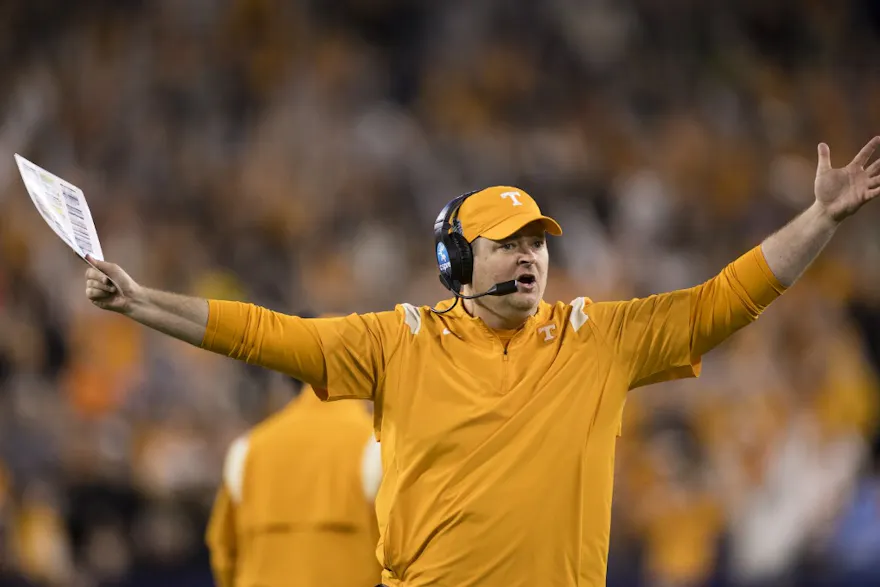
column 865, row 154
column 111, row 271
column 99, row 288
column 97, row 294
column 95, row 262
column 103, row 285
column 103, row 266
column 93, row 274
column 824, row 158
column 874, row 168
column 874, row 192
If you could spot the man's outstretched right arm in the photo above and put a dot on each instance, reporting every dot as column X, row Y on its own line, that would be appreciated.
column 182, row 317
column 111, row 288
column 339, row 357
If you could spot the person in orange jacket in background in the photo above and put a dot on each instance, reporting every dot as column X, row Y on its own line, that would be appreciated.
column 295, row 506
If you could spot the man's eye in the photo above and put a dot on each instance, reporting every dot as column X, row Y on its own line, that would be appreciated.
column 539, row 243
column 508, row 246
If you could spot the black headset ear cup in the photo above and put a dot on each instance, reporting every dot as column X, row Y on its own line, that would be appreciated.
column 463, row 264
column 455, row 258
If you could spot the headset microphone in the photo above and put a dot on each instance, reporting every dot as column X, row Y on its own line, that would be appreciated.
column 499, row 289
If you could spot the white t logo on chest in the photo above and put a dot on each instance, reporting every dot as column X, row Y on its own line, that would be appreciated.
column 548, row 331
column 514, row 197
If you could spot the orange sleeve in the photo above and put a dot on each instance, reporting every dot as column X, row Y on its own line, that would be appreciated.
column 344, row 355
column 220, row 538
column 664, row 336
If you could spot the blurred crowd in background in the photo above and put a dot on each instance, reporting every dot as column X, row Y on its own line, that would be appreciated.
column 295, row 154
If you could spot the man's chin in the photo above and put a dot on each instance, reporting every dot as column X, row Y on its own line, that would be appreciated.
column 524, row 301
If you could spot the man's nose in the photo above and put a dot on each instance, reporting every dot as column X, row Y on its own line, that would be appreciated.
column 526, row 258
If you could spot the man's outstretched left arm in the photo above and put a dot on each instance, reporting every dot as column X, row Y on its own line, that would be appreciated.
column 839, row 193
column 739, row 294
column 663, row 336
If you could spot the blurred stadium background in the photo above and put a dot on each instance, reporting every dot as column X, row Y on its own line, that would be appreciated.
column 294, row 154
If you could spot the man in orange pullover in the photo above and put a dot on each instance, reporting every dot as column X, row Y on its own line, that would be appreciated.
column 498, row 416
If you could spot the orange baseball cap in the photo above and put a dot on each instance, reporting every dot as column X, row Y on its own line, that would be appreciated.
column 498, row 212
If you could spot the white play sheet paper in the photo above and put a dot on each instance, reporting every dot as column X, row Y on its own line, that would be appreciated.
column 63, row 206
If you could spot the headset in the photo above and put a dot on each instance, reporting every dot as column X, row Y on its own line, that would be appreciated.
column 455, row 257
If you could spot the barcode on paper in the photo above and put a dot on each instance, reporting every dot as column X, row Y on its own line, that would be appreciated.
column 77, row 220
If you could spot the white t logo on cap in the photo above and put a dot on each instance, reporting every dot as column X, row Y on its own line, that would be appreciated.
column 514, row 197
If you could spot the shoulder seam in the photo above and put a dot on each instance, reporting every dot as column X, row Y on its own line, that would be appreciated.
column 413, row 318
column 578, row 316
